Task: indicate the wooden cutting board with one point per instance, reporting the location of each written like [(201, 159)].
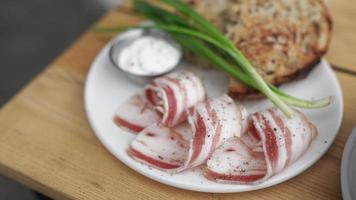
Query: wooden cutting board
[(47, 143)]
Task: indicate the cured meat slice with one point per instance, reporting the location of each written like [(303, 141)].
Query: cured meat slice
[(234, 161), (213, 122), (136, 114), (271, 143), (190, 144), (173, 94), (159, 146), (165, 101)]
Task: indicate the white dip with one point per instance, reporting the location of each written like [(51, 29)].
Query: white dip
[(149, 55)]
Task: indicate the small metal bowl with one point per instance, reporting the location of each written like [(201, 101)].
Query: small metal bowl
[(126, 39)]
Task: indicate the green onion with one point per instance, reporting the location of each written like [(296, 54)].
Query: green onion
[(199, 36), (158, 14), (198, 48), (240, 59)]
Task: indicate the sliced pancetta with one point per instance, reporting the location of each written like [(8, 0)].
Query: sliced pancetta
[(136, 114), (173, 94), (271, 143), (165, 101), (159, 146), (187, 145)]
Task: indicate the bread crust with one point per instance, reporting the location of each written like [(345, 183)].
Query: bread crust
[(283, 39)]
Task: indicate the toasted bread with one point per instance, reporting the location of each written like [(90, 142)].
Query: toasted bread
[(283, 39)]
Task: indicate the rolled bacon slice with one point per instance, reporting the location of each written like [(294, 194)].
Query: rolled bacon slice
[(136, 114), (165, 101), (271, 143), (190, 144), (159, 146), (173, 94)]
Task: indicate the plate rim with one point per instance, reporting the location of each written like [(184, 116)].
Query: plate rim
[(345, 165), (201, 188)]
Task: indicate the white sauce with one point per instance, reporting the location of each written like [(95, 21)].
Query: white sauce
[(149, 55)]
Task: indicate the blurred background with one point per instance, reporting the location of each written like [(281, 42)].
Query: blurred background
[(32, 34)]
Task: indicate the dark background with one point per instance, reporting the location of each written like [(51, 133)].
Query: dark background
[(32, 34)]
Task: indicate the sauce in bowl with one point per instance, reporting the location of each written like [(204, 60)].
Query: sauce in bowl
[(145, 55), (149, 55)]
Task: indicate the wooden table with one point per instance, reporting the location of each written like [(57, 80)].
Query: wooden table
[(47, 143)]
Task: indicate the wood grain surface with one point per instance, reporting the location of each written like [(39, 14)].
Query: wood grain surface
[(47, 143), (343, 43)]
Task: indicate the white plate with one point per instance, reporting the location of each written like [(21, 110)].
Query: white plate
[(348, 166), (106, 88)]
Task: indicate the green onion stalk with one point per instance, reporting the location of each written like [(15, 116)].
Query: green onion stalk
[(194, 35)]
